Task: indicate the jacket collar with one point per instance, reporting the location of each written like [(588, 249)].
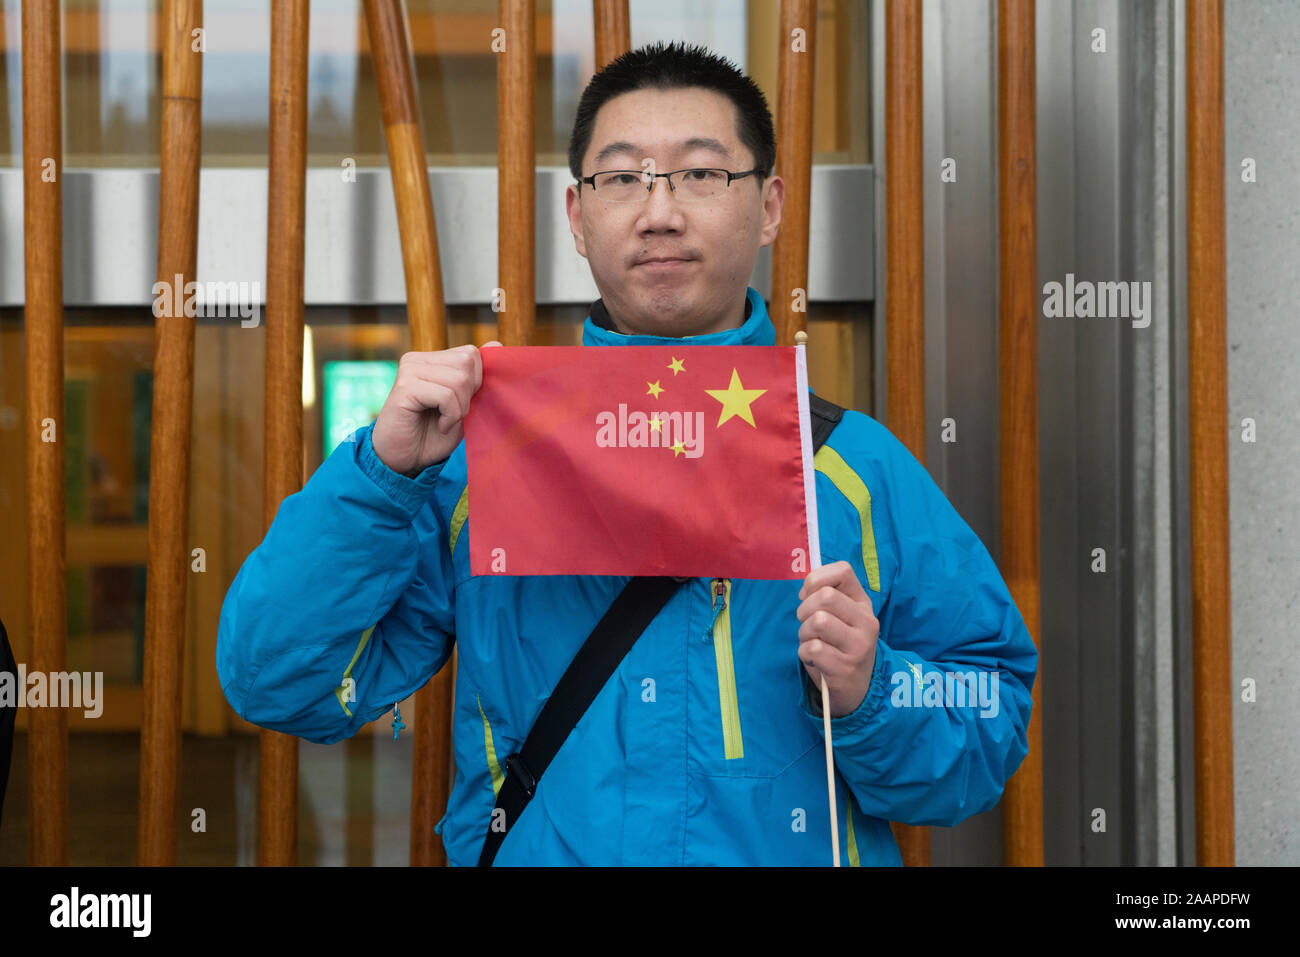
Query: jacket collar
[(756, 330)]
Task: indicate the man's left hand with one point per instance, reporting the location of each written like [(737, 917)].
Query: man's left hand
[(837, 637)]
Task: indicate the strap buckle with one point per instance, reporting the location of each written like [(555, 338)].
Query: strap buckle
[(519, 771)]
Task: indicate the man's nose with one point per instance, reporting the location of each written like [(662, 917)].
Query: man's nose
[(662, 208)]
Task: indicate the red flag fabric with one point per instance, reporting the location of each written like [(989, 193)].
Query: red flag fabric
[(640, 460)]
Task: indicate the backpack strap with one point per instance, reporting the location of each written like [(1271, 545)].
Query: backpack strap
[(825, 416), (636, 606)]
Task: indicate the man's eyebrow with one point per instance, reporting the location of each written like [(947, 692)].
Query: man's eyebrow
[(620, 147)]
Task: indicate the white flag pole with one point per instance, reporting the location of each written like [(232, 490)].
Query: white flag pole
[(815, 558)]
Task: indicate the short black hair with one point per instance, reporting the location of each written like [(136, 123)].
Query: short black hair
[(676, 66)]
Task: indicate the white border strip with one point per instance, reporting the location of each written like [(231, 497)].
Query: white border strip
[(805, 444)]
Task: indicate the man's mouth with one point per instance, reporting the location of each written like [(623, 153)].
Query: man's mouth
[(660, 263)]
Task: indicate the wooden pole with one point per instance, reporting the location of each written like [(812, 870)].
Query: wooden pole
[(47, 589), (613, 29), (1207, 360), (168, 566), (789, 298), (390, 47), (286, 188), (516, 173), (905, 277), (1018, 372)]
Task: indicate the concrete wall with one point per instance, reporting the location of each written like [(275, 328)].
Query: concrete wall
[(1262, 82)]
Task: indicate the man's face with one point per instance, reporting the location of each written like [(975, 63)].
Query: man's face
[(718, 238)]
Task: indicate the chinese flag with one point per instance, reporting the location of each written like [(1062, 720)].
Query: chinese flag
[(640, 460)]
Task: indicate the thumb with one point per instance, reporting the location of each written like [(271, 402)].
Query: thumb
[(492, 343)]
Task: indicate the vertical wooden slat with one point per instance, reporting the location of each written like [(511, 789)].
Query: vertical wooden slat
[(47, 728), (1018, 372), (905, 278), (168, 566), (1207, 361), (391, 49), (516, 173), (390, 46), (613, 28), (206, 709), (794, 166), (286, 185)]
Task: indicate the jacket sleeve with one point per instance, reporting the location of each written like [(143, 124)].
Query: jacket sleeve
[(346, 606), (923, 748)]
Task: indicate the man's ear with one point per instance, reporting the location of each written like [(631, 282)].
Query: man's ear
[(573, 207), (773, 200)]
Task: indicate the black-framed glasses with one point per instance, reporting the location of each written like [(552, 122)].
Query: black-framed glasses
[(634, 185)]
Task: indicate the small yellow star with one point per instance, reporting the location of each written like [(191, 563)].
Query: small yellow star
[(676, 365), (656, 423), (736, 399), (655, 388), (678, 449)]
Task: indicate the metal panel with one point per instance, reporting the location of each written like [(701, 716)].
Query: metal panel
[(1063, 733), (353, 253), (1140, 525), (1097, 186), (1168, 199), (1098, 416), (961, 304), (1080, 168), (1180, 441)]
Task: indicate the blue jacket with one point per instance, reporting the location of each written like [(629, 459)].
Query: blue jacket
[(705, 747)]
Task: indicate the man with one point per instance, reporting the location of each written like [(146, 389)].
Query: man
[(705, 746)]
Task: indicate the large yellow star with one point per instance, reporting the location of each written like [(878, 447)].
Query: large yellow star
[(656, 423), (735, 400), (676, 365), (678, 449), (655, 388)]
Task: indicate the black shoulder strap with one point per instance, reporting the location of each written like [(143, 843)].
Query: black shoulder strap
[(613, 637), (825, 416)]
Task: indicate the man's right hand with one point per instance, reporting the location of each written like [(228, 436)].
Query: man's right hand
[(420, 423)]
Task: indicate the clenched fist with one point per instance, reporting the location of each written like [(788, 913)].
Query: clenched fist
[(837, 635), (420, 423)]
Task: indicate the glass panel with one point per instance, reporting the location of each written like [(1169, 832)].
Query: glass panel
[(113, 76)]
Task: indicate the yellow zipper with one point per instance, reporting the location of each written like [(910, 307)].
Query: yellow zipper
[(733, 744)]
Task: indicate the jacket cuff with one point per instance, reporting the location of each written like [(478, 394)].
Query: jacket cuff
[(409, 493), (811, 699)]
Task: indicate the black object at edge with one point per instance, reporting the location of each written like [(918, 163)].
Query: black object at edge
[(8, 716)]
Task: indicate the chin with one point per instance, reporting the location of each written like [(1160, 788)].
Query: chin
[(669, 306), (664, 288)]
